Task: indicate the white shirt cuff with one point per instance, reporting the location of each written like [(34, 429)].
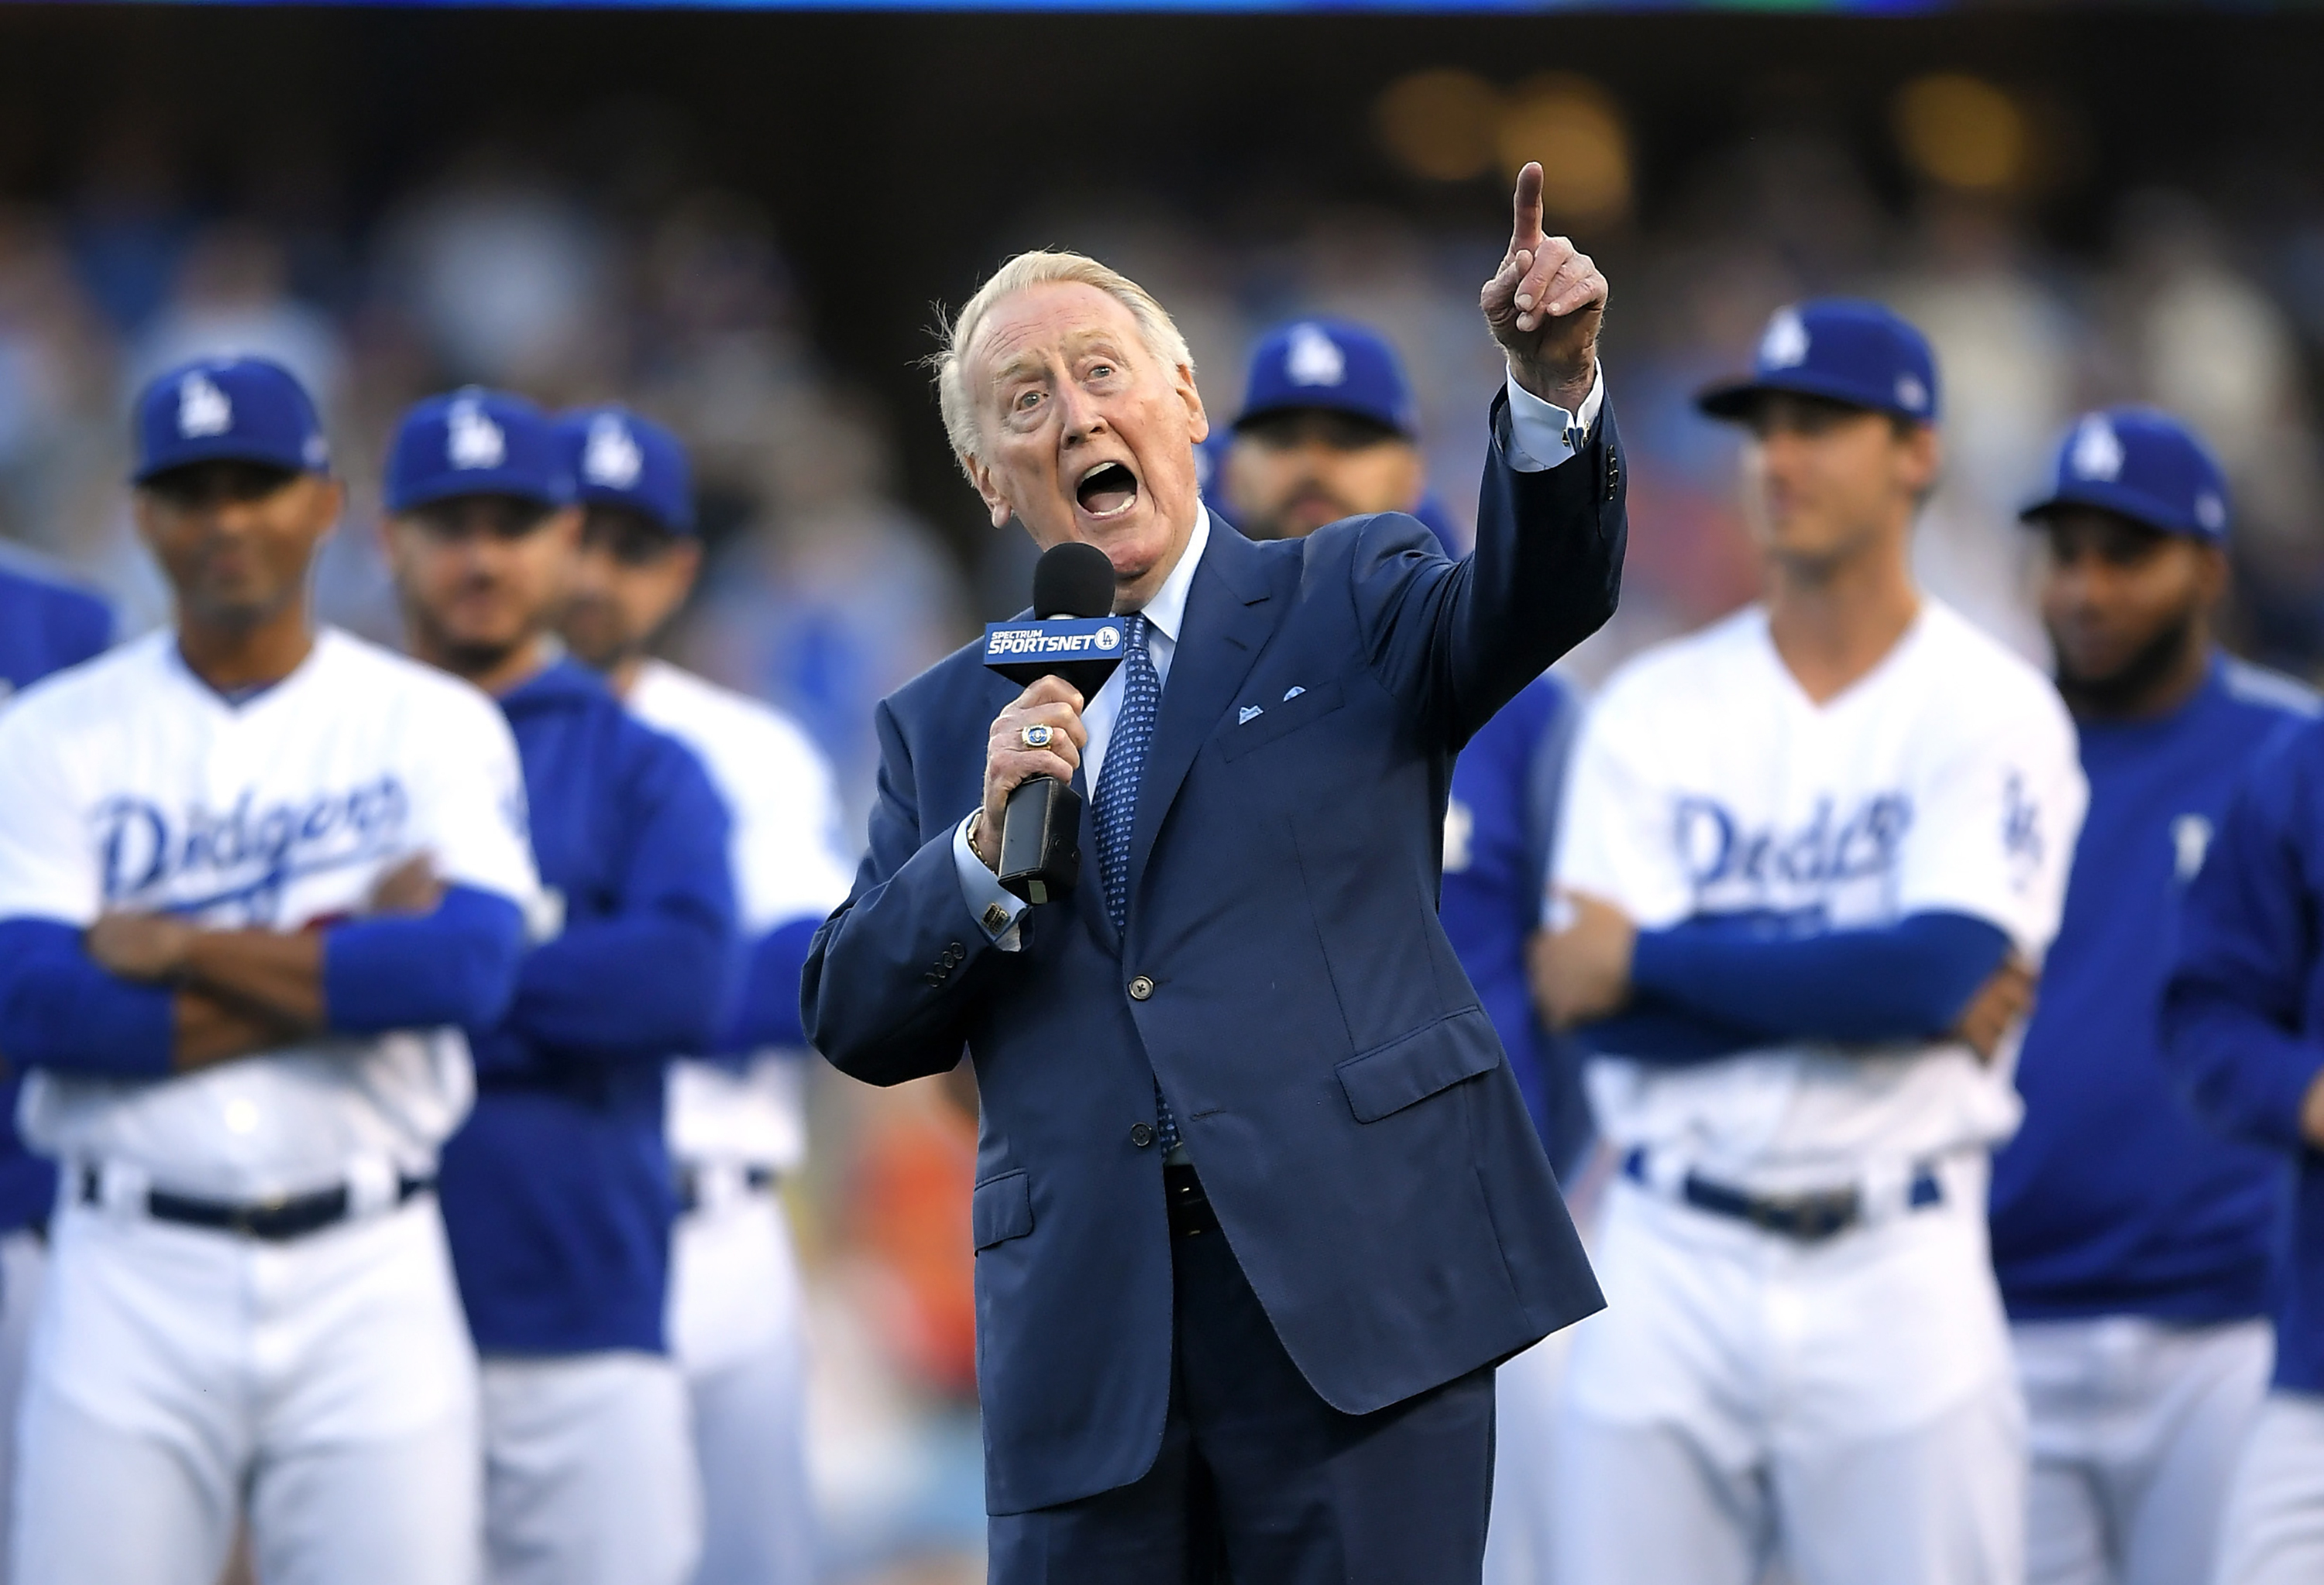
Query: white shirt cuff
[(1543, 434), (982, 891)]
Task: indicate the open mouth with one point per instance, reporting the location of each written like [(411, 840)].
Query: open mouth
[(1107, 490)]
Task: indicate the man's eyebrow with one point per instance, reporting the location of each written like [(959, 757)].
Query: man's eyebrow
[(1015, 366)]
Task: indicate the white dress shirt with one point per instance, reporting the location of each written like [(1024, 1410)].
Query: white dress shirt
[(1542, 435)]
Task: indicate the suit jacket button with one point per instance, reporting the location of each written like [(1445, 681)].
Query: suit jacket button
[(1140, 989), (1141, 1134)]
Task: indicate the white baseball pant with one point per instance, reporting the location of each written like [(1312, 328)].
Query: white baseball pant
[(1848, 1403), (180, 1376), (589, 1475), (23, 1270), (2272, 1533), (736, 1328), (2136, 1427)]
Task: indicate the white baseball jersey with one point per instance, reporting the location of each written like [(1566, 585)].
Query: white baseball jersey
[(1706, 782), (128, 783), (788, 863)]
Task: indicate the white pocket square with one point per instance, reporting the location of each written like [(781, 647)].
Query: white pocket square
[(1292, 692), (1247, 712)]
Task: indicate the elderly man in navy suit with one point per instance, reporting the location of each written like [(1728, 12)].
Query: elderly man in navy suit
[(1258, 1204)]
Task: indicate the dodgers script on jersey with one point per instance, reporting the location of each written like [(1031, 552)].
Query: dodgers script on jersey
[(129, 783), (1706, 783)]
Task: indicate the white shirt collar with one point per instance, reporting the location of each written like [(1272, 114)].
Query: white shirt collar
[(1166, 611)]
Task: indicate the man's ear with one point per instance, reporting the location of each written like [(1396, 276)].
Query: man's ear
[(2211, 573), (686, 558), (330, 506), (1199, 420), (1924, 460), (995, 503)]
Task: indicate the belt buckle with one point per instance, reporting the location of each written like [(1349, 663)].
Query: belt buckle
[(1819, 1217), (251, 1218)]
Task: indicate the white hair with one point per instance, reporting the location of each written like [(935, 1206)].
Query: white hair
[(1040, 267)]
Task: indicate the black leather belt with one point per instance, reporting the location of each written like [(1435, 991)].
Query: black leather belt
[(1191, 1215), (759, 1180), (277, 1221), (1810, 1217)]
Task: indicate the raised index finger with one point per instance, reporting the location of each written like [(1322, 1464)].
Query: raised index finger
[(1526, 233)]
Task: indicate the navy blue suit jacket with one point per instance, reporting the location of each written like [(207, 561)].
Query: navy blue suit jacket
[(1343, 1095)]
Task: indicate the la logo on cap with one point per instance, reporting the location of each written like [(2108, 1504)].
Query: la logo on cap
[(610, 458), (471, 438), (1314, 358), (2097, 449), (202, 408), (1785, 344)]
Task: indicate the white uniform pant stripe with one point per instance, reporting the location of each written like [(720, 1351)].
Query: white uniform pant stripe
[(2136, 1428), (2274, 1531), (589, 1475)]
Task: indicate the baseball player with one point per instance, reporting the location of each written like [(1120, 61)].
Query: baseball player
[(737, 1115), (557, 1193), (2243, 1028), (2132, 1245), (1809, 856), (46, 624), (252, 874)]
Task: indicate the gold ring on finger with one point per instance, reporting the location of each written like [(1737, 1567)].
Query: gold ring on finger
[(1038, 735)]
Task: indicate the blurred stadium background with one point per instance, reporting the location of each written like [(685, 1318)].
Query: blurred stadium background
[(740, 222)]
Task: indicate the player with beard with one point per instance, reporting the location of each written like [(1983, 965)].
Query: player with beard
[(2132, 1243), (558, 1196)]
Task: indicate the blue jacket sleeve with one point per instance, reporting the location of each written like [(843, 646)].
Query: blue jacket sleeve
[(59, 1009), (648, 977), (456, 965), (766, 1007), (870, 997), (1458, 640), (2236, 1014), (1901, 981)]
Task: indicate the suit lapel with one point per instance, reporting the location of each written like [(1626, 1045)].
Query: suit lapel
[(1230, 616)]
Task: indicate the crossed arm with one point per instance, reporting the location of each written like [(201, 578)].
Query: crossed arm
[(145, 995), (1709, 988)]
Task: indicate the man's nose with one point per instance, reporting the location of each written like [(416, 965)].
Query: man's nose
[(229, 516), (1079, 413)]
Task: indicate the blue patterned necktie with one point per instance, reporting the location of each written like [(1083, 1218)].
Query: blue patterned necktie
[(1117, 805)]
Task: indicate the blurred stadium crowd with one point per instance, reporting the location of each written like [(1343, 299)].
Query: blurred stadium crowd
[(829, 585)]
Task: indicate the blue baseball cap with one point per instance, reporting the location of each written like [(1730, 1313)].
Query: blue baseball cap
[(1330, 364), (1842, 349), (620, 459), (2145, 465), (228, 410), (476, 442)]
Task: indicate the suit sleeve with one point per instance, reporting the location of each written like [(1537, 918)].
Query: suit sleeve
[(2234, 1028), (1458, 640), (887, 989)]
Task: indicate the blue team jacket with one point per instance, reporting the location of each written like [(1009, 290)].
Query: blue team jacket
[(2114, 1198), (1283, 971), (2242, 1018), (1497, 831), (557, 1193), (45, 626)]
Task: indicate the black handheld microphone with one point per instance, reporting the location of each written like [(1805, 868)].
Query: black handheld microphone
[(1077, 638)]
